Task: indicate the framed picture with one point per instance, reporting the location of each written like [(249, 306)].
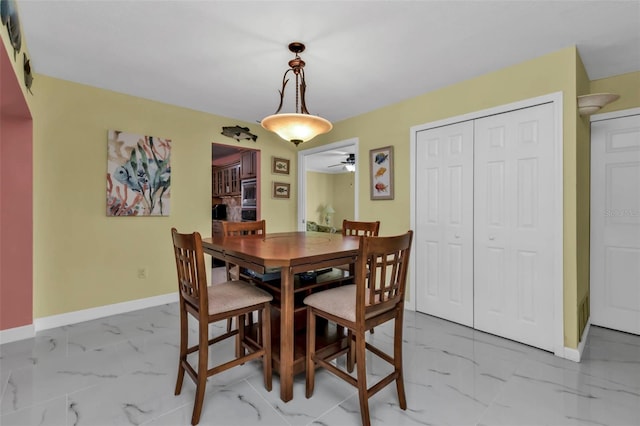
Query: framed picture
[(280, 166), (281, 190), (138, 174), (381, 161)]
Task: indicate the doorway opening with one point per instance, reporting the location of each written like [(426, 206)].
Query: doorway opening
[(233, 168), (328, 159)]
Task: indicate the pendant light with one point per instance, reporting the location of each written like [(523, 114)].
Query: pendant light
[(300, 126)]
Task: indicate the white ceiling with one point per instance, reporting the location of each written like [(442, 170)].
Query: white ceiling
[(330, 161), (228, 57)]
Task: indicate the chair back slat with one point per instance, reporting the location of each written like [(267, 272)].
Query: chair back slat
[(381, 272), (367, 229), (192, 278), (241, 229), (231, 229)]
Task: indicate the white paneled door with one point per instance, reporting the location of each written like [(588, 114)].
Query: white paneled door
[(615, 223), (514, 224), (444, 225)]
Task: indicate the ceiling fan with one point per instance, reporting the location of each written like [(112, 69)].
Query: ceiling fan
[(349, 163)]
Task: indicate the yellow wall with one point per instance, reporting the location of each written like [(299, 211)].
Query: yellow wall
[(343, 184), (319, 195), (583, 197), (335, 190), (84, 259), (390, 125), (554, 72)]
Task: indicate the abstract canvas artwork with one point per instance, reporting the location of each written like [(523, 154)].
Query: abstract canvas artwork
[(138, 175)]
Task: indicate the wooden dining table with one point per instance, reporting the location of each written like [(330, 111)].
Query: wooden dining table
[(293, 253)]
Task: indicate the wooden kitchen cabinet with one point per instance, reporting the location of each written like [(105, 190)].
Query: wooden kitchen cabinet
[(248, 165), (226, 180), (233, 179), (217, 188)]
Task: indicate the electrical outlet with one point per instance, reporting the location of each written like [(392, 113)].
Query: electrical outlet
[(142, 273)]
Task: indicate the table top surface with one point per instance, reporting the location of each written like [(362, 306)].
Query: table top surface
[(286, 248)]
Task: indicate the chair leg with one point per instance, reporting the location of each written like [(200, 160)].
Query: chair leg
[(240, 337), (362, 378), (250, 319), (265, 321), (203, 361), (397, 361), (184, 341), (351, 355), (311, 353)]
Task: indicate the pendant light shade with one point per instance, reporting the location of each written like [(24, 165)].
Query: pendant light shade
[(300, 126), (296, 128)]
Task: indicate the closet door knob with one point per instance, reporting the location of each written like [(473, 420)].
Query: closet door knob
[(457, 236), (491, 237)]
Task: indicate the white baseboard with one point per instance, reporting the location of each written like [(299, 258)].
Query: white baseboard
[(17, 333), (576, 354), (53, 321)]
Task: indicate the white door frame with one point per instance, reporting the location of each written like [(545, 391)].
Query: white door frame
[(558, 282), (614, 114), (302, 177)]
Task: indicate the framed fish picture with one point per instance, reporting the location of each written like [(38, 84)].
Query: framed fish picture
[(138, 175), (280, 166), (281, 190), (381, 160)]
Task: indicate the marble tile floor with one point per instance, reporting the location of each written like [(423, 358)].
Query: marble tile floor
[(121, 370)]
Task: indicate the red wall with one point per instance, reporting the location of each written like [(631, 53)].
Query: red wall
[(16, 205)]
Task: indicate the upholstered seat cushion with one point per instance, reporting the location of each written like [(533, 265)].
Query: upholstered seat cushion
[(339, 301), (231, 295)]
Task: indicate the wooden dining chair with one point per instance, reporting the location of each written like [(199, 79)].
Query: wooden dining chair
[(357, 228), (376, 297), (368, 229), (211, 304), (234, 229), (257, 227)]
